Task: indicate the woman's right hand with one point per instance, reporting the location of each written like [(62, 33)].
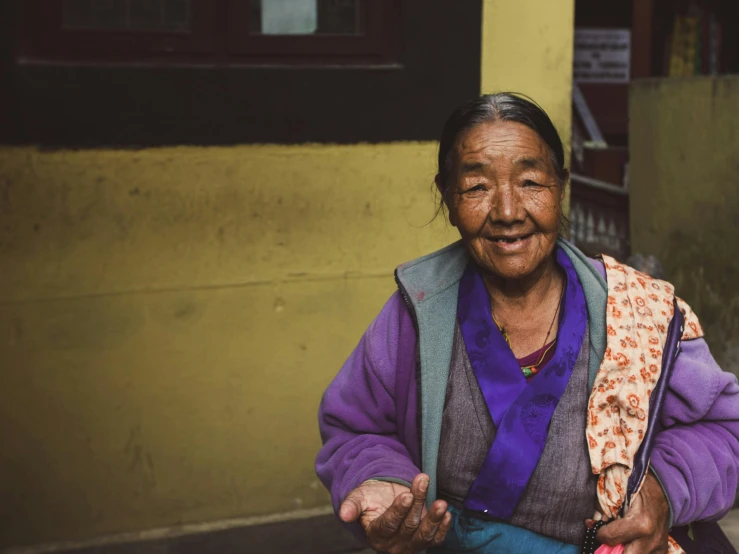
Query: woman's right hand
[(394, 517)]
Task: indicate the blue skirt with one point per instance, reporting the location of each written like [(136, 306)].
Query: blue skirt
[(472, 534)]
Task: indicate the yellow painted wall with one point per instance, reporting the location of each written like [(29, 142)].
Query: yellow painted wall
[(684, 197), (169, 317), (528, 47)]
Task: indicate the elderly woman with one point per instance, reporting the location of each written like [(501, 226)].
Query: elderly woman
[(499, 400)]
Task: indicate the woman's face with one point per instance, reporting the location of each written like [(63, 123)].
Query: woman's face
[(505, 198)]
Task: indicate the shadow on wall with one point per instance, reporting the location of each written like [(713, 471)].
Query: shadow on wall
[(684, 171)]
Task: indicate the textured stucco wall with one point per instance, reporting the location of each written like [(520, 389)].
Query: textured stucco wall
[(528, 48), (684, 197), (170, 317)]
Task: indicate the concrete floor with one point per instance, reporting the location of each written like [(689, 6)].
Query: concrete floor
[(730, 525), (320, 535)]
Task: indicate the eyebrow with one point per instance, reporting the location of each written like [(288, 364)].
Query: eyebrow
[(471, 167), (527, 161)]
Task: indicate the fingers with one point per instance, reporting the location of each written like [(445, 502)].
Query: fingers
[(350, 509), (623, 531), (418, 489), (406, 525), (443, 529), (432, 528), (644, 529), (385, 526)]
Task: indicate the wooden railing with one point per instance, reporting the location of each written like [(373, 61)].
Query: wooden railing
[(599, 217)]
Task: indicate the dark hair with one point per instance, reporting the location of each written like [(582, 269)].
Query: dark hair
[(503, 106)]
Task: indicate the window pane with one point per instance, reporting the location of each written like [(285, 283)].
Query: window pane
[(306, 17), (128, 15)]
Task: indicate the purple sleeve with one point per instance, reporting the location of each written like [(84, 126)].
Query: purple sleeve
[(696, 455), (367, 416)]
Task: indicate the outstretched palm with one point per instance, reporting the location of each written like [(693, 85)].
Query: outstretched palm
[(376, 497), (394, 517)]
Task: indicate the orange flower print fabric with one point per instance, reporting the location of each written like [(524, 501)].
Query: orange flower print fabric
[(638, 314)]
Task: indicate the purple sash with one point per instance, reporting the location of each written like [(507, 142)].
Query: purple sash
[(521, 410)]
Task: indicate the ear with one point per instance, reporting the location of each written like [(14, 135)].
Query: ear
[(565, 180), (439, 184), (450, 209)]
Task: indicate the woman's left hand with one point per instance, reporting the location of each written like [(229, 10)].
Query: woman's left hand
[(643, 530)]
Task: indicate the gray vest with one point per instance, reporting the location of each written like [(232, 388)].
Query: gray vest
[(562, 491)]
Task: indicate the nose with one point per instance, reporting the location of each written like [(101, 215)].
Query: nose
[(506, 208)]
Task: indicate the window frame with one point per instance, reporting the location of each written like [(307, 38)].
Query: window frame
[(42, 36), (377, 44), (61, 104), (219, 35)]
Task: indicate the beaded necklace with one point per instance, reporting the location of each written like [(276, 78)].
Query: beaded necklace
[(531, 370)]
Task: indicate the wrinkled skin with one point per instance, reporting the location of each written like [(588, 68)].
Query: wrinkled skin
[(504, 196), (394, 517), (504, 184), (643, 530)]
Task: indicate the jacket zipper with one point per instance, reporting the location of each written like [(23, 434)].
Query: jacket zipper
[(419, 400), (407, 300)]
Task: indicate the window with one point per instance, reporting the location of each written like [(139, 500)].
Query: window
[(124, 15), (221, 72), (211, 31)]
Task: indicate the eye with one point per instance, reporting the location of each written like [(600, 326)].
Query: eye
[(475, 188), (530, 183)]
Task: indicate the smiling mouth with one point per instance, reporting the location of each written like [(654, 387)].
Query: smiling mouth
[(510, 240)]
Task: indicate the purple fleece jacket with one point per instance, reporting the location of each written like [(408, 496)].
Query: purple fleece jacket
[(369, 421)]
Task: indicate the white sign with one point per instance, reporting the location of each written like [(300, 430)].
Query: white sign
[(602, 55), (289, 17)]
